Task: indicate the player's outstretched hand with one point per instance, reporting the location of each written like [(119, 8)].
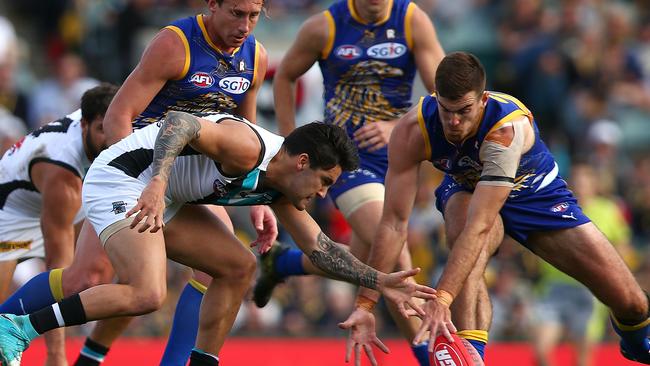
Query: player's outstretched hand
[(361, 324), (266, 227), (436, 321), (400, 289), (150, 207)]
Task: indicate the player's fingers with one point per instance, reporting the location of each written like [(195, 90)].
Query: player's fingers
[(445, 332), (137, 219), (424, 295), (451, 327), (348, 349), (426, 290), (158, 224), (371, 356), (357, 355), (409, 273), (145, 224), (411, 312), (380, 345), (135, 209), (416, 308), (419, 336)]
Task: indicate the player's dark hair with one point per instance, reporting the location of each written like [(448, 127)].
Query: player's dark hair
[(458, 74), (327, 146), (95, 101)]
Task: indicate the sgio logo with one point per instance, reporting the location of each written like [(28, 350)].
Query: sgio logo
[(234, 84), (387, 50), (348, 52), (202, 79)]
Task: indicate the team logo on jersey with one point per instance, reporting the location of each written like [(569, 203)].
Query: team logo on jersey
[(242, 66), (202, 79), (234, 84), (387, 50), (219, 188), (118, 207), (348, 52), (560, 207), (390, 33)]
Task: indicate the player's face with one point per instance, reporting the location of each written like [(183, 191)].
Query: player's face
[(460, 117), (234, 20), (94, 138), (309, 183)]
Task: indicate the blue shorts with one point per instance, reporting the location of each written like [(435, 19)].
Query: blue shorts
[(551, 208), (371, 170)]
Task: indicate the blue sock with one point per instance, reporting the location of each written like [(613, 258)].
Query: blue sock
[(185, 327), (635, 336), (421, 353), (289, 263), (34, 295), (479, 346)]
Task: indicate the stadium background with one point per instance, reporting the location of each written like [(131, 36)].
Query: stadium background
[(582, 66)]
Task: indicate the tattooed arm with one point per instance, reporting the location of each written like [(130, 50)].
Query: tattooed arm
[(177, 130), (211, 139), (340, 264)]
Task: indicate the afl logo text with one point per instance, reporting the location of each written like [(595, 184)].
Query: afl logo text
[(348, 52), (202, 79)]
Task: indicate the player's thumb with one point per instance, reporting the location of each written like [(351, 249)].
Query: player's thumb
[(345, 325)]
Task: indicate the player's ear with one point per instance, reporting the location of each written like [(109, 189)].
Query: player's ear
[(303, 161)]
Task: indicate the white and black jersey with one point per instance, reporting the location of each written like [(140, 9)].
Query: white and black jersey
[(59, 142), (117, 177)]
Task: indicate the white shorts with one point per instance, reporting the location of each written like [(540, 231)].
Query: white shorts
[(20, 238), (108, 194)]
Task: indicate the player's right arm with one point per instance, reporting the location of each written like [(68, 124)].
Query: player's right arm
[(303, 53), (163, 60), (60, 189)]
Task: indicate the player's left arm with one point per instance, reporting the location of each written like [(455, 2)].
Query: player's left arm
[(426, 47), (339, 263), (60, 189), (248, 107)]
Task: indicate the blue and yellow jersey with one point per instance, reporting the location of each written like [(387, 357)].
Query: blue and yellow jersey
[(368, 68), (537, 168), (211, 82)]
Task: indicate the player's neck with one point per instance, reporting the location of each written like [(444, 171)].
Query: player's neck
[(368, 15)]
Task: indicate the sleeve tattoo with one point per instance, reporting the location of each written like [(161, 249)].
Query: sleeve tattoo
[(177, 130), (339, 263)]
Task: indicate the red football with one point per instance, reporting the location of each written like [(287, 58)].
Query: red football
[(458, 353)]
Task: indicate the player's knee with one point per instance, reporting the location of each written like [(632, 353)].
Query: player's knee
[(150, 299), (244, 268)]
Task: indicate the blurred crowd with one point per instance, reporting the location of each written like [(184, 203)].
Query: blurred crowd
[(581, 66)]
